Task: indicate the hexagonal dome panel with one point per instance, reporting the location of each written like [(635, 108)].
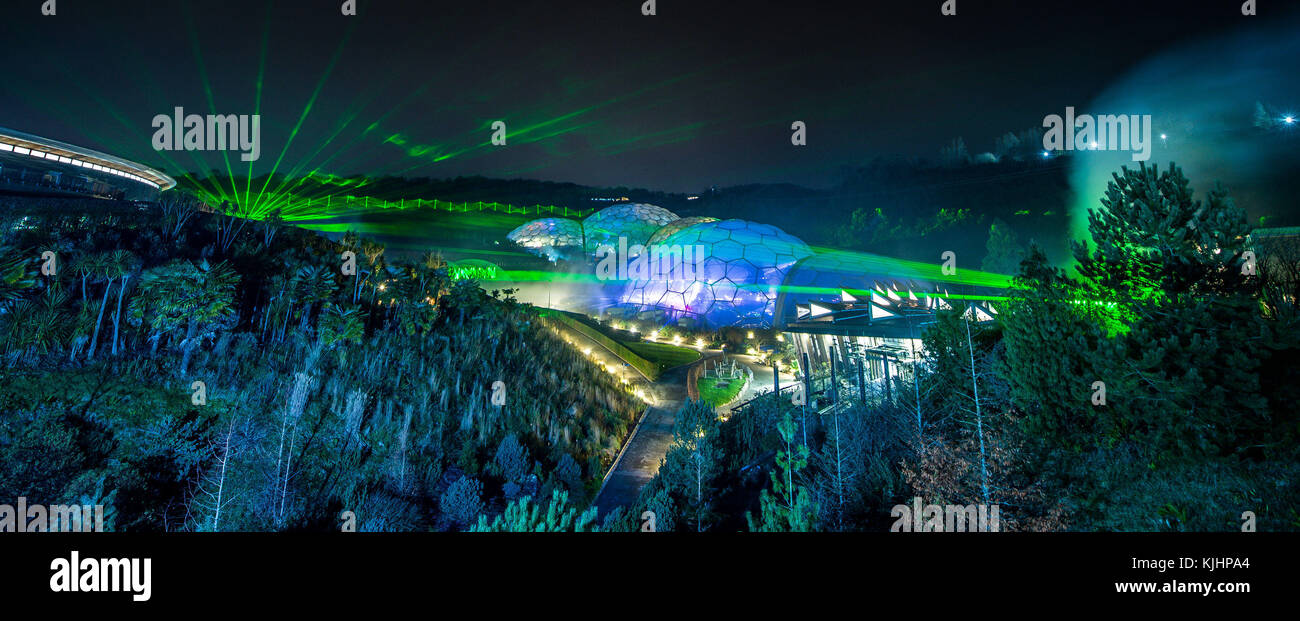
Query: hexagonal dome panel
[(676, 225), (635, 221), (735, 283), (552, 238)]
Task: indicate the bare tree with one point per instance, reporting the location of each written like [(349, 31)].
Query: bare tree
[(289, 430), (231, 219), (211, 496), (176, 213), (979, 417)]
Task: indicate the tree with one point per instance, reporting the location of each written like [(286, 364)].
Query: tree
[(524, 516), (185, 294), (110, 267), (211, 496), (314, 284), (374, 253), (230, 220), (955, 153), (270, 225), (125, 265), (1152, 240), (176, 213), (40, 324), (14, 276), (513, 459), (1170, 266), (787, 507), (339, 324), (568, 473), (463, 500), (1003, 251), (692, 461), (1054, 352)]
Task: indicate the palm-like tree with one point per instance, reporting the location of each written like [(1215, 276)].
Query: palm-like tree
[(125, 264), (15, 279), (110, 266), (374, 252), (88, 267), (41, 324), (340, 324), (182, 293), (315, 283)]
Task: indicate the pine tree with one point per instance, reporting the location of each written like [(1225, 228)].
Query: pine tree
[(1003, 251), (787, 507), (1052, 356), (525, 516), (692, 461), (1170, 267)]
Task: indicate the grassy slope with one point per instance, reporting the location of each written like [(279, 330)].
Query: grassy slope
[(665, 355)]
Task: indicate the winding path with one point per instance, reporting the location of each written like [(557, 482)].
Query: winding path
[(639, 460), (645, 450)]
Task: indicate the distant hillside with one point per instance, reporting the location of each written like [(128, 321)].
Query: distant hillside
[(902, 208)]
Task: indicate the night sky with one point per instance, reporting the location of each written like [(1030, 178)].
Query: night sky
[(701, 94)]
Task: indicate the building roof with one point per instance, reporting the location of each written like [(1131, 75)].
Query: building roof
[(34, 146)]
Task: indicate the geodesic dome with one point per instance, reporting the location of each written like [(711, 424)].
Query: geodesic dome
[(552, 238), (635, 221), (476, 269), (676, 225), (734, 284)]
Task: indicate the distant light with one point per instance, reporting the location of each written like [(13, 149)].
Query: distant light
[(1047, 154), (1164, 137), (1288, 119), (1094, 144)]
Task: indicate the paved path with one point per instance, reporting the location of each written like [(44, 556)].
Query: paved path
[(762, 377), (646, 450)]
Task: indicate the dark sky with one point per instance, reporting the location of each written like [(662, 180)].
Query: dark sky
[(701, 94)]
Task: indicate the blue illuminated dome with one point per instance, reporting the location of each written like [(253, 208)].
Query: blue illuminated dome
[(734, 283)]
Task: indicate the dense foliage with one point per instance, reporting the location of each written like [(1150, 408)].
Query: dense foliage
[(198, 371), (1154, 389)]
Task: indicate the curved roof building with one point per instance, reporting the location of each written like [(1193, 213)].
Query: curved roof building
[(33, 164), (853, 292)]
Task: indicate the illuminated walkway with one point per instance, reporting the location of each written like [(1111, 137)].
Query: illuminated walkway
[(645, 450)]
